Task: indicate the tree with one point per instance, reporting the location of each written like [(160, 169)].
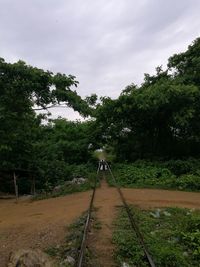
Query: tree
[(22, 88), (186, 65), (161, 118)]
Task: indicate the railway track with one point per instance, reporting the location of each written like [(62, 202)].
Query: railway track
[(133, 223), (80, 261)]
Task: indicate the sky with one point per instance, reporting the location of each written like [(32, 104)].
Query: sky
[(106, 44)]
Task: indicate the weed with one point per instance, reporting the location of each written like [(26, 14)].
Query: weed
[(171, 235)]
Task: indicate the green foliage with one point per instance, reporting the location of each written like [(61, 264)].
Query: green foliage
[(142, 175), (161, 118), (193, 240), (91, 100), (27, 144), (191, 235), (179, 167), (62, 151), (184, 64), (66, 187), (188, 181), (181, 175), (167, 234), (22, 88)]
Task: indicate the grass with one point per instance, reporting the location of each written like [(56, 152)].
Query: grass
[(172, 236)]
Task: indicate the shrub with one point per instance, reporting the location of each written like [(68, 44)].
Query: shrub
[(159, 174), (129, 175), (188, 181), (191, 234), (179, 167)]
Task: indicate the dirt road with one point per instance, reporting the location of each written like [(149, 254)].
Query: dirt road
[(42, 223), (106, 199), (150, 198), (39, 224)]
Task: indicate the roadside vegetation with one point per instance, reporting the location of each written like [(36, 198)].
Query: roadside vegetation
[(173, 174), (68, 187), (172, 236)]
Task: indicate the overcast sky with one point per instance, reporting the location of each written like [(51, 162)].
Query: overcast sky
[(106, 44)]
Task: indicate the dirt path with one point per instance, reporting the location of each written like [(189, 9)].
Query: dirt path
[(41, 224), (150, 198), (38, 224), (105, 201)]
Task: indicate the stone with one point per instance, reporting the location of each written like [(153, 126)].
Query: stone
[(166, 213), (156, 214), (124, 264), (29, 258), (80, 180), (69, 260)]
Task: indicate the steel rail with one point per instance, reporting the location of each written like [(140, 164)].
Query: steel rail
[(133, 221), (87, 223)]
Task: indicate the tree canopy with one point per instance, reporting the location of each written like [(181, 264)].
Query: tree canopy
[(159, 118), (23, 90)]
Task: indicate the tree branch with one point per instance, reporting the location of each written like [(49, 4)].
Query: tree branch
[(53, 106)]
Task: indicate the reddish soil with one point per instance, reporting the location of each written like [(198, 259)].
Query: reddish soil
[(41, 224), (105, 201), (37, 224), (150, 198)]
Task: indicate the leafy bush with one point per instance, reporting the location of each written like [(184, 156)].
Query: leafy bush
[(179, 167), (159, 174), (193, 240), (59, 172), (188, 181), (191, 234), (131, 175), (64, 188)]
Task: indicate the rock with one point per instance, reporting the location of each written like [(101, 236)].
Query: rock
[(156, 214), (166, 213), (80, 180), (29, 258), (76, 180), (57, 188), (124, 264), (69, 260)]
